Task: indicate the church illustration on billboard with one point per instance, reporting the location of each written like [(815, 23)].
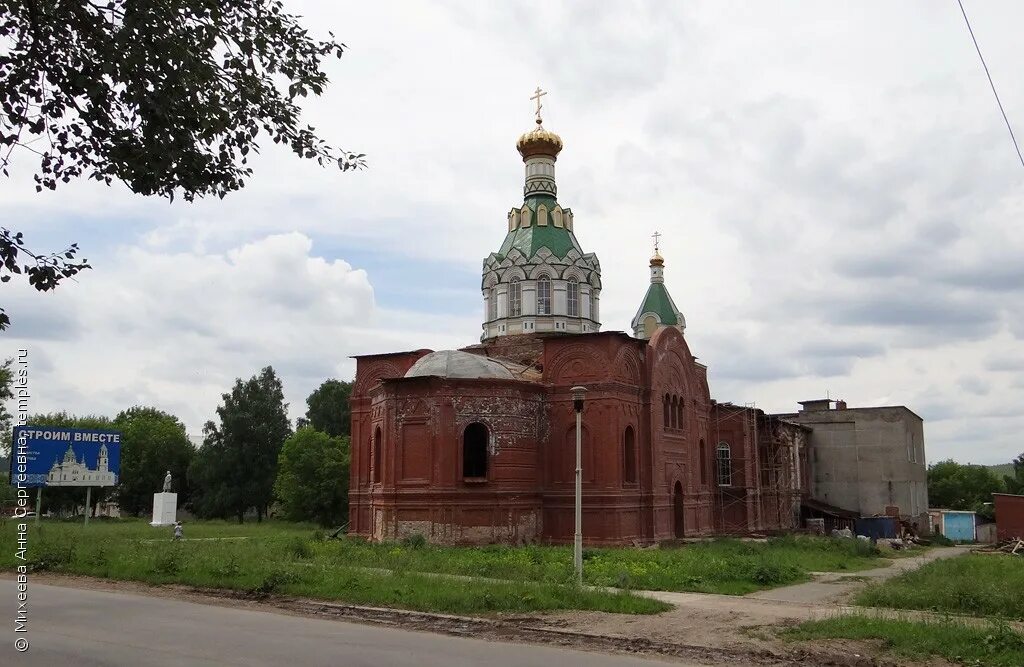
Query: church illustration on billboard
[(74, 472)]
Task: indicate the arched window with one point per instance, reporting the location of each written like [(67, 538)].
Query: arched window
[(474, 451), (376, 455), (675, 411), (703, 464), (515, 298), (629, 456), (666, 410), (680, 411), (544, 296), (724, 455), (572, 295), (494, 303)]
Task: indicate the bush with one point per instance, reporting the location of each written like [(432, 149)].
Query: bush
[(227, 570), (300, 548), (168, 561), (272, 582), (414, 541), (52, 555)]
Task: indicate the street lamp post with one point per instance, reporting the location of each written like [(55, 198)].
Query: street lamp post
[(577, 553)]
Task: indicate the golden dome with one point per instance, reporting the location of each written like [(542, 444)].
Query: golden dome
[(657, 259), (539, 141)]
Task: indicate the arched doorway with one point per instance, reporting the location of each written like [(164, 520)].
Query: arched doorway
[(677, 510)]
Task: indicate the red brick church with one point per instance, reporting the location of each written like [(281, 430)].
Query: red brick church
[(478, 445)]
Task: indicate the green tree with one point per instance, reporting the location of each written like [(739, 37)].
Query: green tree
[(328, 408), (957, 486), (312, 477), (235, 469), (1015, 483), (152, 442), (167, 97)]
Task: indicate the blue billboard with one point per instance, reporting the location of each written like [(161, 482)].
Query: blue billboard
[(58, 456)]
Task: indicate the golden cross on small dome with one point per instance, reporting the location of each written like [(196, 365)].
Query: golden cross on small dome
[(656, 236), (537, 94)]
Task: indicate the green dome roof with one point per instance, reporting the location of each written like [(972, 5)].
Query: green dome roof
[(657, 301), (529, 239)]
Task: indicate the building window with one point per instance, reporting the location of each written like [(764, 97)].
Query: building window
[(675, 411), (703, 464), (376, 455), (724, 465), (474, 451), (515, 298), (494, 303), (629, 456), (573, 298), (666, 410), (544, 296), (680, 404)]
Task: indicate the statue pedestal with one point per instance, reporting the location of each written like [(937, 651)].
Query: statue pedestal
[(165, 509)]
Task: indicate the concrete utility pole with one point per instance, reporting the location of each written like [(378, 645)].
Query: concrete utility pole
[(577, 554)]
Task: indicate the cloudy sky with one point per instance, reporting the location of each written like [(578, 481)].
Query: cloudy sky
[(839, 198)]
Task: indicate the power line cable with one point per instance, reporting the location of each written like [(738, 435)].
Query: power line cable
[(990, 82)]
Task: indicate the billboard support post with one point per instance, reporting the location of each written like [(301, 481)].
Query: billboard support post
[(88, 499), (39, 502)]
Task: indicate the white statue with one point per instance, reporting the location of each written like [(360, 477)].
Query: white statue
[(167, 482)]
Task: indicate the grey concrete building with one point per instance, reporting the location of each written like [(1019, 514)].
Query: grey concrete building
[(866, 459)]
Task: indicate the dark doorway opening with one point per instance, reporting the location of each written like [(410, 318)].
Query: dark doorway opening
[(474, 451)]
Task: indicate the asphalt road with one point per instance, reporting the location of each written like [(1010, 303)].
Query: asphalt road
[(70, 627)]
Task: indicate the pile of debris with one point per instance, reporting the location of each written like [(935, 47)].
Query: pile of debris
[(1014, 547)]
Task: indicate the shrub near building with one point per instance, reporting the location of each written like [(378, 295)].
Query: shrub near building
[(312, 477)]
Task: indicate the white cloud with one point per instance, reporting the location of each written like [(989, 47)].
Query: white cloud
[(174, 329)]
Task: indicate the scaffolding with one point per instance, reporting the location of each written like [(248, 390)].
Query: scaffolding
[(768, 460)]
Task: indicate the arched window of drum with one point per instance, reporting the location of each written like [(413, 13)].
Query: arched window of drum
[(703, 464), (666, 411), (544, 296), (573, 297), (629, 456), (724, 456), (494, 303), (474, 451), (515, 298), (376, 455)]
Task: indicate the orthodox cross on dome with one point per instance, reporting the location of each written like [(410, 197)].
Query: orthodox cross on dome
[(537, 94), (656, 236)]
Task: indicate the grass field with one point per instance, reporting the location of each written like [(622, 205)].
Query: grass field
[(977, 585), (275, 557), (993, 645), (269, 558), (732, 567)]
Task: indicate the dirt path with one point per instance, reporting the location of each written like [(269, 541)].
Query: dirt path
[(731, 622), (831, 587)]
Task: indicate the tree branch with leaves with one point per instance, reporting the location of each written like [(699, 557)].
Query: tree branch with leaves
[(171, 97)]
